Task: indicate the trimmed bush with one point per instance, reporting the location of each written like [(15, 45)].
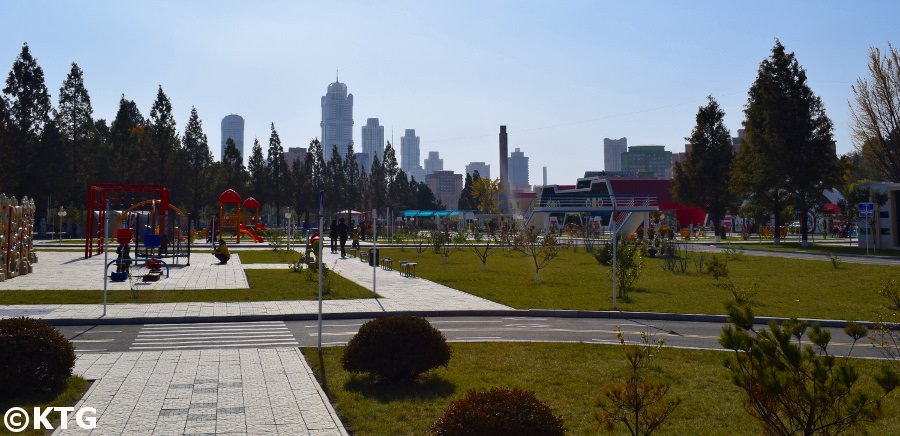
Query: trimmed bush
[(34, 357), (498, 411), (396, 348)]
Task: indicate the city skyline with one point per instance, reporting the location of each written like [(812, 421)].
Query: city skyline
[(561, 87)]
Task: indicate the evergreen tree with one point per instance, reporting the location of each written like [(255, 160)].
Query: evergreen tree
[(164, 136), (277, 170), (6, 176), (789, 142), (124, 137), (351, 169), (198, 159), (335, 189), (258, 174), (377, 185), (75, 121), (465, 197), (703, 179), (28, 105), (425, 199), (233, 166)]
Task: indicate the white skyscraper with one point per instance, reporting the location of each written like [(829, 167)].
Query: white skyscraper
[(433, 163), (233, 127), (409, 155), (612, 153), (518, 171), (373, 139), (337, 119), (484, 170)]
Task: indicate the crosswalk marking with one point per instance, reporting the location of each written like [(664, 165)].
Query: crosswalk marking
[(213, 335)]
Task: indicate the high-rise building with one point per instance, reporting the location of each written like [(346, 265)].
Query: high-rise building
[(648, 161), (446, 186), (738, 140), (294, 154), (612, 153), (484, 170), (233, 127), (433, 162), (337, 119), (363, 162), (518, 172), (373, 140), (676, 158), (409, 155)]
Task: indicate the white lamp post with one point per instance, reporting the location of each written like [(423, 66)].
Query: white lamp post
[(287, 216), (62, 214)]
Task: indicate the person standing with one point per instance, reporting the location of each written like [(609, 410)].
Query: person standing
[(332, 235), (342, 234)]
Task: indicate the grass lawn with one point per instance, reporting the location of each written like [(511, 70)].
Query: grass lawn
[(574, 280), (568, 377), (74, 390), (267, 256), (265, 285), (814, 248)]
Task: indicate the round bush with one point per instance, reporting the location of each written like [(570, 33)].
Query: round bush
[(34, 357), (396, 348), (498, 411)]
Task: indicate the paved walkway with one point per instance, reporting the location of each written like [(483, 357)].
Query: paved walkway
[(246, 391)]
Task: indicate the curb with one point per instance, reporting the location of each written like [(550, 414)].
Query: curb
[(530, 313)]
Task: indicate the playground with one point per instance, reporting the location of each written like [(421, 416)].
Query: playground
[(17, 256)]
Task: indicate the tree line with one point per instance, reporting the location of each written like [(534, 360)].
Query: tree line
[(53, 153), (788, 158)]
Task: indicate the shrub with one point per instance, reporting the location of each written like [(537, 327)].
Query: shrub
[(396, 348), (34, 357), (498, 411), (717, 268)]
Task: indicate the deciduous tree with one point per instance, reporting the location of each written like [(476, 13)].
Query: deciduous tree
[(876, 116)]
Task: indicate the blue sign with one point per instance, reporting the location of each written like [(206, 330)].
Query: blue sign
[(866, 210)]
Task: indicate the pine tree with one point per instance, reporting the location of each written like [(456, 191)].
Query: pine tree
[(198, 159), (351, 170), (235, 173), (276, 169), (125, 148), (335, 189), (28, 105), (164, 136), (702, 180), (258, 174), (378, 184), (465, 197), (75, 121)]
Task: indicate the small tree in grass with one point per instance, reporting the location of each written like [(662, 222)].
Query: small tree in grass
[(629, 264), (541, 247), (792, 388), (484, 246), (639, 403)]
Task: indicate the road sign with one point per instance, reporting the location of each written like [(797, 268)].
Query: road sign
[(866, 210)]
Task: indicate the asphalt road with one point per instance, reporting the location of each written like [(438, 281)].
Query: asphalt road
[(152, 337)]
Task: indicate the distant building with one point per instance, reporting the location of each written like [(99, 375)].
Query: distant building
[(294, 154), (676, 158), (409, 155), (233, 127), (737, 141), (363, 161), (518, 171), (373, 140), (337, 120), (612, 153), (484, 170), (648, 161), (433, 163), (446, 186)]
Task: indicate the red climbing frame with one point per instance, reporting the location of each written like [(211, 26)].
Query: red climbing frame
[(97, 196)]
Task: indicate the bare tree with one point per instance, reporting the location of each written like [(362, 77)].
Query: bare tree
[(485, 244), (876, 115), (542, 247)]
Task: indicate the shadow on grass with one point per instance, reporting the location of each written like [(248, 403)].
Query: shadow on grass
[(427, 387)]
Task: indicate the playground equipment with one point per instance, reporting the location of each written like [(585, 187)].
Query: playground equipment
[(16, 246), (230, 212), (123, 261)]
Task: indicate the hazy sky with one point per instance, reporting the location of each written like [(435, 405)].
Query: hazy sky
[(562, 75)]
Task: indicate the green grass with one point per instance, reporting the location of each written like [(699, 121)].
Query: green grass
[(568, 377), (787, 287), (74, 390), (267, 256), (265, 285), (814, 248)]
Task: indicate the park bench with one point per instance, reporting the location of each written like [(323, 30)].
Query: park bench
[(364, 256), (407, 269), (387, 264)]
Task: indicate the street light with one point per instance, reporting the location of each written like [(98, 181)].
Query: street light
[(62, 214), (287, 216)]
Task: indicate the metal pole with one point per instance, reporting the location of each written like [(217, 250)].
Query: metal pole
[(321, 227), (105, 253), (374, 250), (612, 222)]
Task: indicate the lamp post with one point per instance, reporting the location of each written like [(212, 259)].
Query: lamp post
[(62, 214), (287, 216)]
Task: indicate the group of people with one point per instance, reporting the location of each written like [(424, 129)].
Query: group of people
[(340, 231)]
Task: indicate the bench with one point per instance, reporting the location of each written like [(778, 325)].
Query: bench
[(407, 269), (387, 264), (352, 252), (364, 256)]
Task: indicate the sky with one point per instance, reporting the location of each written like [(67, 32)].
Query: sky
[(561, 75)]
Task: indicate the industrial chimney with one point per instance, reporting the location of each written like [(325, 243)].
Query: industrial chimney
[(504, 174)]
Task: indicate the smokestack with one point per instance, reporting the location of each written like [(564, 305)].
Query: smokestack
[(504, 175), (545, 176)]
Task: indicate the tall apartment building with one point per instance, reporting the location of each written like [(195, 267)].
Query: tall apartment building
[(373, 140), (484, 170), (233, 127), (518, 171), (409, 155), (294, 154), (433, 163), (738, 140), (648, 161), (446, 186), (612, 153), (337, 119)]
